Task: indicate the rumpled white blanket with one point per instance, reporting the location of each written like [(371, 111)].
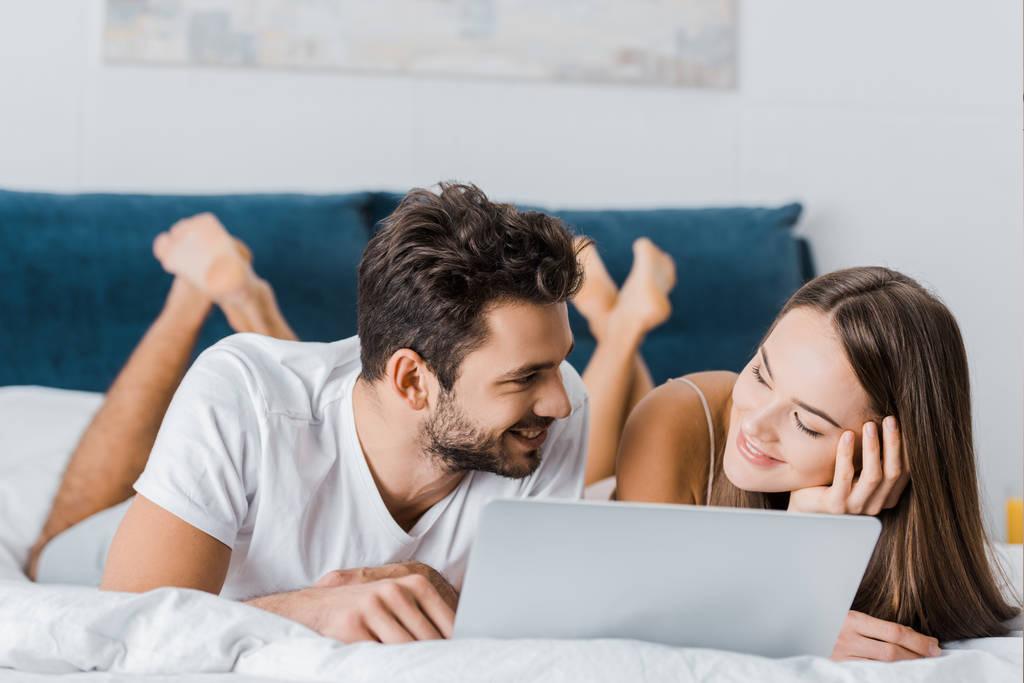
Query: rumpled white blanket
[(62, 629), (173, 631)]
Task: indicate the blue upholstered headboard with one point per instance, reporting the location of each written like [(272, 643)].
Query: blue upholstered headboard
[(81, 284)]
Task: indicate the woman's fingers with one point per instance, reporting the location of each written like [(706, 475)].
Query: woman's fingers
[(879, 651), (891, 633), (839, 492), (899, 468), (854, 641), (894, 470), (890, 471), (870, 474)]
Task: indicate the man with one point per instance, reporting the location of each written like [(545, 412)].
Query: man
[(279, 463)]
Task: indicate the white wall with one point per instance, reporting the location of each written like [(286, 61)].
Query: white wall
[(898, 124)]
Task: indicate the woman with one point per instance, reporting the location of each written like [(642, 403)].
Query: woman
[(856, 402)]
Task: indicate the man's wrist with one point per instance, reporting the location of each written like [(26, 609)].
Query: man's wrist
[(297, 605)]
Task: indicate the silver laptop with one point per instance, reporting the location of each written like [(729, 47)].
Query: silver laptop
[(775, 584)]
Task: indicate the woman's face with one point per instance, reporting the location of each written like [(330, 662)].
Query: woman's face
[(790, 405)]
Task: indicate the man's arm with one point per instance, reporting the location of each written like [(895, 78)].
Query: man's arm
[(394, 604), (153, 548)]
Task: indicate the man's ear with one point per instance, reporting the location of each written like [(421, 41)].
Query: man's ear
[(408, 378)]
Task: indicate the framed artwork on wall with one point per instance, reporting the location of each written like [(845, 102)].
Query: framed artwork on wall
[(667, 43)]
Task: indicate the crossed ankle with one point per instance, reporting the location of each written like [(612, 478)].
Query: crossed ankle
[(622, 322), (598, 325), (620, 327), (255, 310)]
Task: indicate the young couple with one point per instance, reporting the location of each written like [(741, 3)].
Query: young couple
[(340, 484)]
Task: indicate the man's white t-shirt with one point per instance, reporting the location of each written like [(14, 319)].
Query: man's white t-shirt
[(259, 450)]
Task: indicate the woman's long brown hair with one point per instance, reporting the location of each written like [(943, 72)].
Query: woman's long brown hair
[(930, 569)]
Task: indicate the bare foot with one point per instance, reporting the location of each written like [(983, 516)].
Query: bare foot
[(598, 295), (644, 295), (202, 252)]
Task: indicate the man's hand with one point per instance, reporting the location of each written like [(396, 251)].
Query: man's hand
[(865, 637), (883, 476), (390, 604), (351, 577)]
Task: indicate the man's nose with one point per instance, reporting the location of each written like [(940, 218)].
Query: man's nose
[(554, 399)]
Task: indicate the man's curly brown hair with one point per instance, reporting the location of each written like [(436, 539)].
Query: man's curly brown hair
[(429, 275)]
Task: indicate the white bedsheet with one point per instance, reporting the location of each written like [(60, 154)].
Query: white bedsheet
[(172, 632)]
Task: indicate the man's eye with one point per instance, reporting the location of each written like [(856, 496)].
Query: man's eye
[(526, 379)]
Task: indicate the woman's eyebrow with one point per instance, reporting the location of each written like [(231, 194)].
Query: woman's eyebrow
[(820, 413)]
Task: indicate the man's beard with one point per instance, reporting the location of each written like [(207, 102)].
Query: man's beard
[(452, 439)]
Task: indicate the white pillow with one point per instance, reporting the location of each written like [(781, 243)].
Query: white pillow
[(40, 429)]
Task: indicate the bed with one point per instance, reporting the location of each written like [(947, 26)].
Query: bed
[(83, 634)]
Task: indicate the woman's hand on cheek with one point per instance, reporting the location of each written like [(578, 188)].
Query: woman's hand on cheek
[(865, 637), (884, 475)]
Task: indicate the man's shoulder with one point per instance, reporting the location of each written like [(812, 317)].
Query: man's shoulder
[(261, 350), (291, 377)]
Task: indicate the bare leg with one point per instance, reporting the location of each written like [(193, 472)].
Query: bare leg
[(598, 295), (114, 447), (210, 266), (203, 252), (642, 385), (595, 302), (616, 377)]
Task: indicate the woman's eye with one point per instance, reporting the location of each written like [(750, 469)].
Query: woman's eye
[(803, 428), (757, 374)]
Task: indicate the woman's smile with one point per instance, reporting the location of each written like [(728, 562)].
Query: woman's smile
[(752, 453)]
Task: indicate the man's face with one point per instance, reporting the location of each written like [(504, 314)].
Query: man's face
[(508, 392)]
